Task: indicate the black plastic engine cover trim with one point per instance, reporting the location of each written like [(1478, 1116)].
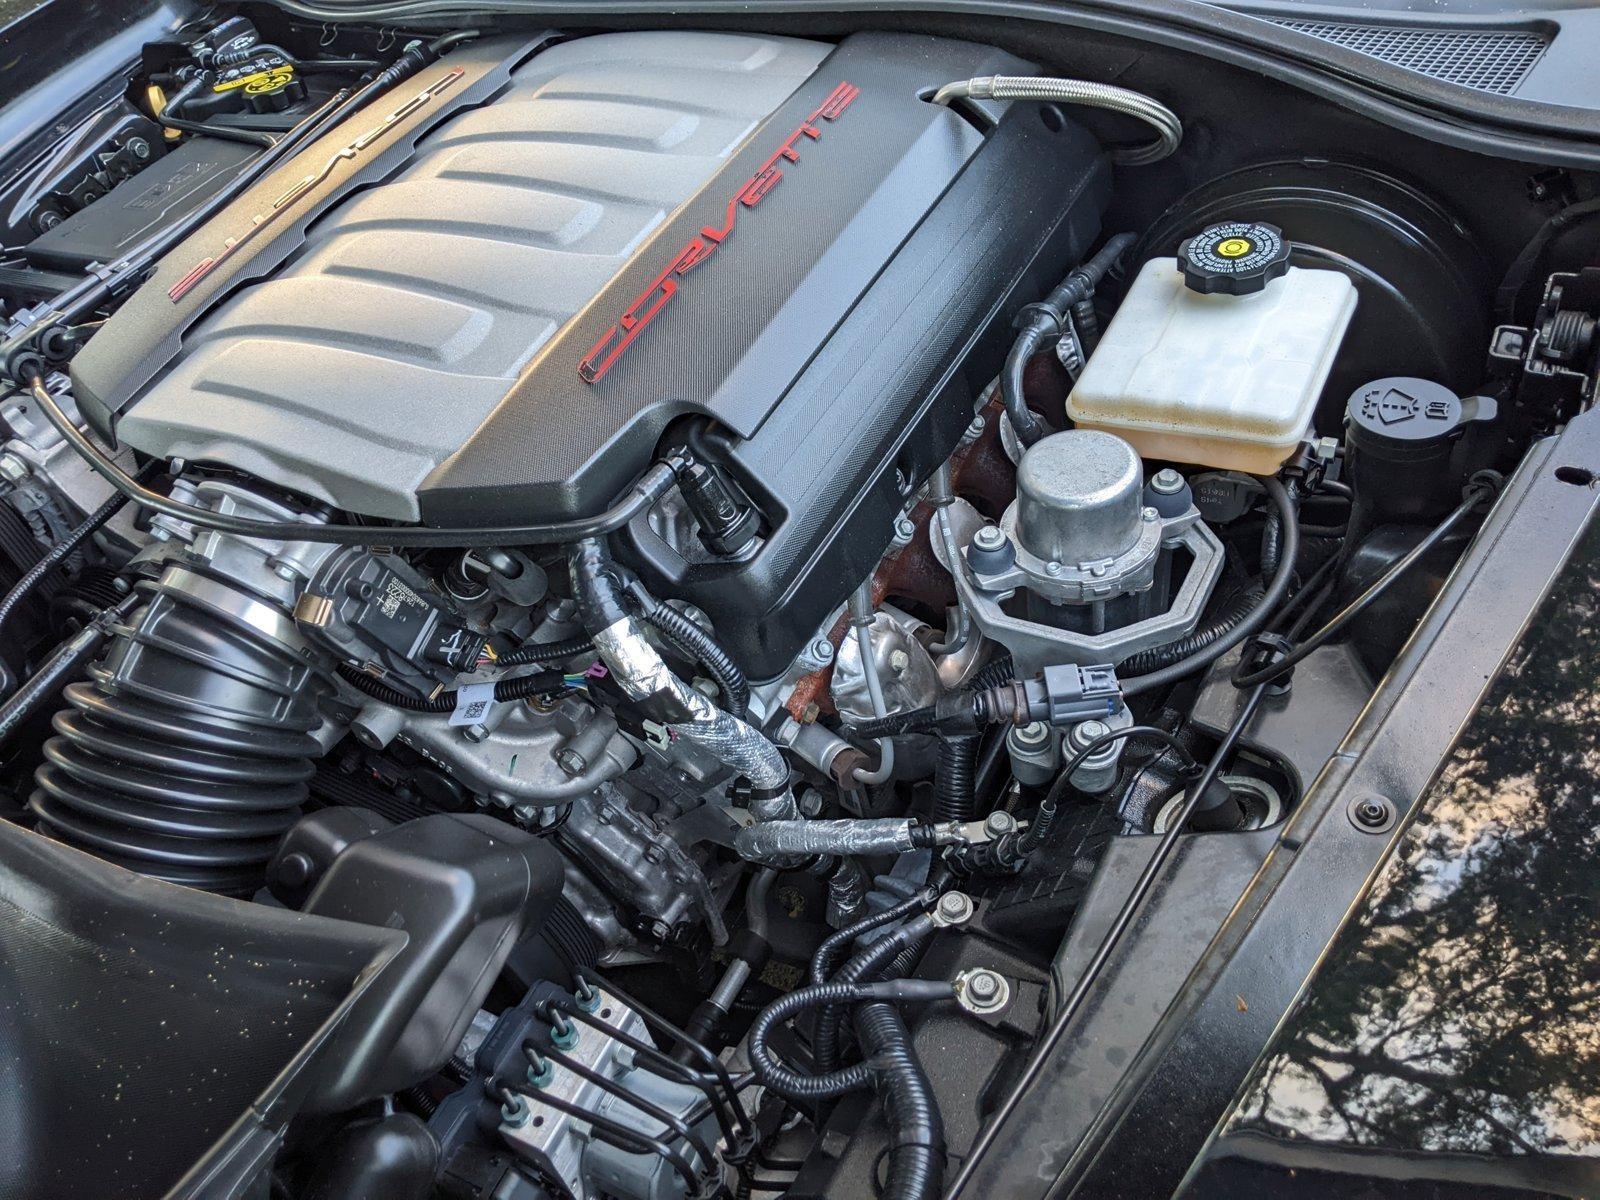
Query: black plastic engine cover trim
[(885, 400)]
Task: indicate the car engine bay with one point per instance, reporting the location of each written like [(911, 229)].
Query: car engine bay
[(719, 535)]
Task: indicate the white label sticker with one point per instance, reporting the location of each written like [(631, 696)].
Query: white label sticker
[(474, 703)]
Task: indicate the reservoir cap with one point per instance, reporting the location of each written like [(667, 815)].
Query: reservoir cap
[(1234, 258)]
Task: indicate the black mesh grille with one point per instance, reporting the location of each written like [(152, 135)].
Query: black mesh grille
[(1490, 60)]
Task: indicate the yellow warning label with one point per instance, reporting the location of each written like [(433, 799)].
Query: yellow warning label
[(259, 83), (1235, 247)]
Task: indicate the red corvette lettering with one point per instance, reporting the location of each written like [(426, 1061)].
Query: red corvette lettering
[(603, 355)]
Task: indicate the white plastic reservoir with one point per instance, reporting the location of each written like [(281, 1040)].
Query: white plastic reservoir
[(1218, 380)]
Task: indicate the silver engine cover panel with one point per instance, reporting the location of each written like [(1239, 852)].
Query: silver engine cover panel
[(508, 220)]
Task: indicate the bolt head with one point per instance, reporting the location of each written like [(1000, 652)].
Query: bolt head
[(1085, 732), (983, 985), (1052, 567), (990, 537), (13, 468), (1035, 733), (1166, 482), (822, 650), (899, 660), (955, 906), (997, 823), (904, 529), (1150, 516)]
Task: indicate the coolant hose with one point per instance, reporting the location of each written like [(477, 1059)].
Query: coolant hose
[(1288, 513), (772, 841), (1272, 533), (1040, 324), (1030, 340)]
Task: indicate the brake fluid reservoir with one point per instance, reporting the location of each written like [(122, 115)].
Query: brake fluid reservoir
[(1217, 357)]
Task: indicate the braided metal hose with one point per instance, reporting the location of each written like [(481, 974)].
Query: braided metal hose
[(1169, 130)]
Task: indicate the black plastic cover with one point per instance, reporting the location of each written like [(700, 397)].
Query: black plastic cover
[(465, 889), (883, 399), (160, 195), (144, 1021)]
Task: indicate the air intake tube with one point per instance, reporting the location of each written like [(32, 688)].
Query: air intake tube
[(187, 752)]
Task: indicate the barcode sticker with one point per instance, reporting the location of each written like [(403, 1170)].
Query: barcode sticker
[(474, 703)]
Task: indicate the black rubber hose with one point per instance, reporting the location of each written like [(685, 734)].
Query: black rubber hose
[(1272, 532), (1157, 657), (865, 965), (703, 648), (58, 554), (792, 1085), (955, 796), (1277, 588), (187, 751), (1087, 322), (1081, 281), (916, 1130), (520, 688), (545, 652), (1030, 340)]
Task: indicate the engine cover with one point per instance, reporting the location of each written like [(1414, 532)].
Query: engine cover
[(498, 286)]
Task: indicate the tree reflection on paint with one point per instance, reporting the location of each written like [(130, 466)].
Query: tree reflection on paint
[(1461, 1012)]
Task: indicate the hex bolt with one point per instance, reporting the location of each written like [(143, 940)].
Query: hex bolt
[(1150, 515), (990, 537), (1085, 732), (822, 651), (1166, 482), (1035, 733), (998, 824), (1052, 567), (984, 986), (904, 530), (975, 427), (899, 660), (955, 907)]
